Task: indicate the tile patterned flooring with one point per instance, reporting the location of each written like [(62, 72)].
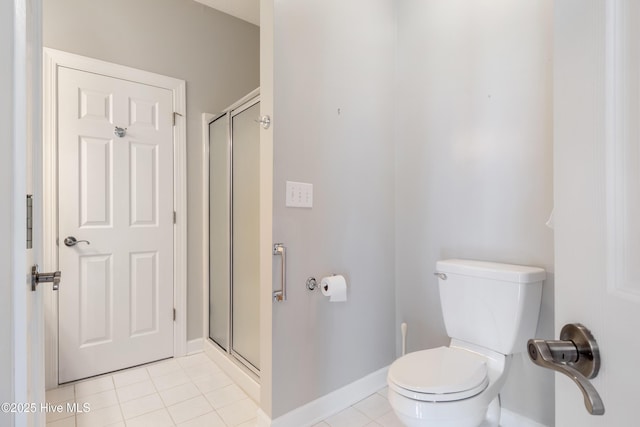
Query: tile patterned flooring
[(190, 391), (374, 411)]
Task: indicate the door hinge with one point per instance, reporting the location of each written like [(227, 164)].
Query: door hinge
[(175, 113), (174, 216), (174, 314), (29, 221)]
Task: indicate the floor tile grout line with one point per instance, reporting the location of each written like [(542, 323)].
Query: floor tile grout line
[(119, 406), (366, 417), (75, 399)]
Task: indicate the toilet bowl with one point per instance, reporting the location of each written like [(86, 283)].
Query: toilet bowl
[(489, 310), (464, 380)]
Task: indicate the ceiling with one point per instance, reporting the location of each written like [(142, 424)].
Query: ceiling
[(247, 10)]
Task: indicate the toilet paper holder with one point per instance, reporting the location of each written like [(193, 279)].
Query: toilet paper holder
[(313, 284)]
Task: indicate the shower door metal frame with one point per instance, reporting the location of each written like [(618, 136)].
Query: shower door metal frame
[(229, 196), (245, 103)]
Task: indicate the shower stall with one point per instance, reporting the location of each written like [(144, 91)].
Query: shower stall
[(234, 157)]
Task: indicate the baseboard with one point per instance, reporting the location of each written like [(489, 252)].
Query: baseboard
[(245, 380), (329, 404), (263, 419), (334, 402), (194, 346), (511, 419)]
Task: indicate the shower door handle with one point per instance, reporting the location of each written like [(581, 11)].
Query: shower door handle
[(575, 355), (281, 294)]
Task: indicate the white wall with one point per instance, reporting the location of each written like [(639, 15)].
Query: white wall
[(474, 160), (216, 54), (333, 55)]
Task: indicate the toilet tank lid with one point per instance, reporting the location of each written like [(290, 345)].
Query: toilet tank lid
[(492, 270)]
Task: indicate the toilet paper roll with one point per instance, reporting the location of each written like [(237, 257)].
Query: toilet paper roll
[(334, 287)]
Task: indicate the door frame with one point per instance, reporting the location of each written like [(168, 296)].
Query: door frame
[(21, 359), (53, 59)]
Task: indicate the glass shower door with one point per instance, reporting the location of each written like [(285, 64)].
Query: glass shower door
[(234, 165), (246, 228)]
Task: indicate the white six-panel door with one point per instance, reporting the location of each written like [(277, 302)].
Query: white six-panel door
[(116, 300), (597, 198)]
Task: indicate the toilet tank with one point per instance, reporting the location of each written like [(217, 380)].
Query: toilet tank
[(489, 304)]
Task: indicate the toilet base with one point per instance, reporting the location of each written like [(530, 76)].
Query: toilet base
[(466, 413), (461, 422)]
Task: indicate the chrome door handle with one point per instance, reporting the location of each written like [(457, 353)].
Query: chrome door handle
[(281, 295), (72, 241), (575, 355), (37, 278)]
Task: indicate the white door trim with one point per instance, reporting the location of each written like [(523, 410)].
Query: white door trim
[(52, 60), (206, 118), (20, 142)]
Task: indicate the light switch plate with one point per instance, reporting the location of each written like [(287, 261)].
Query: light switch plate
[(299, 195)]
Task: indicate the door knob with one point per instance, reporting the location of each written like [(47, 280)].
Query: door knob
[(72, 241), (575, 355), (37, 278), (264, 121)]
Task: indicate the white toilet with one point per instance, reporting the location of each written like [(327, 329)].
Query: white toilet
[(490, 311)]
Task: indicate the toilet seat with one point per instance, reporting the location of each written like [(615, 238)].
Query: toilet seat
[(442, 374)]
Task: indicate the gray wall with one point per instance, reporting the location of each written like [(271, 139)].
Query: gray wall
[(332, 55), (216, 54), (474, 160)]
